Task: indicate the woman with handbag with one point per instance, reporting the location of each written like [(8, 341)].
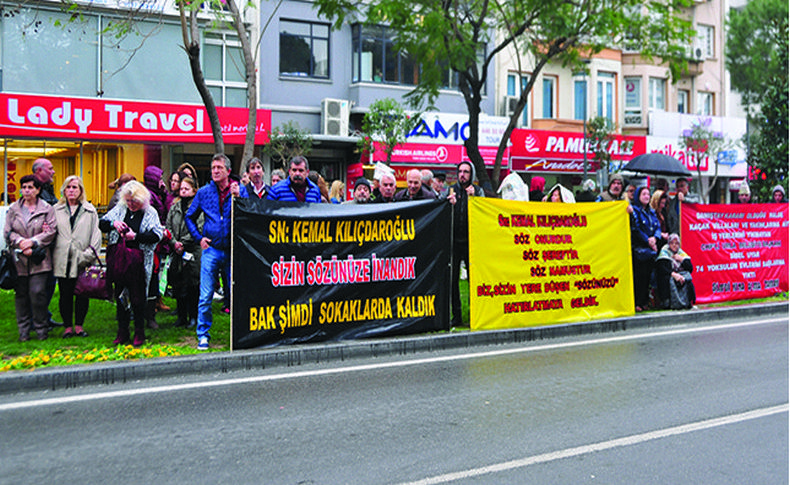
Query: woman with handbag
[(184, 272), (76, 247), (645, 234), (134, 231), (30, 229)]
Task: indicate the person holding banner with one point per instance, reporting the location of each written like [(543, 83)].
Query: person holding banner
[(213, 201), (779, 195), (645, 234), (387, 188), (615, 189), (297, 187), (463, 190), (673, 276), (415, 190), (361, 192)]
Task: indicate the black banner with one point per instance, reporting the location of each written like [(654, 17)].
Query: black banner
[(316, 272)]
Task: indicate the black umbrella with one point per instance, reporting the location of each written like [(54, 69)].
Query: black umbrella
[(657, 163)]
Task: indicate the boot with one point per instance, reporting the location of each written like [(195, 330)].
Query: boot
[(150, 314)]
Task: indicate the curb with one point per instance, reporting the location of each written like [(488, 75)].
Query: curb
[(222, 362)]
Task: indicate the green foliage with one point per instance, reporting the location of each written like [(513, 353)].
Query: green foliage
[(287, 141), (387, 123), (769, 150), (757, 47), (599, 135), (461, 37)]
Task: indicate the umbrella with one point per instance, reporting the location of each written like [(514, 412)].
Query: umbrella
[(657, 163)]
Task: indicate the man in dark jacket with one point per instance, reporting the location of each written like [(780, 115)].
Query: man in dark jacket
[(213, 201), (414, 190), (297, 187), (44, 173), (463, 190), (256, 187)]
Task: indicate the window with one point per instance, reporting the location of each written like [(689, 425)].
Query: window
[(633, 101), (376, 59), (580, 99), (223, 67), (705, 103), (515, 84), (304, 49), (657, 93), (705, 35), (549, 88), (683, 101), (606, 95)]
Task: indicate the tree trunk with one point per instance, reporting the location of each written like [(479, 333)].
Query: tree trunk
[(252, 84)]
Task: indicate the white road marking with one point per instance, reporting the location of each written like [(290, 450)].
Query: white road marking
[(604, 445), (369, 367)]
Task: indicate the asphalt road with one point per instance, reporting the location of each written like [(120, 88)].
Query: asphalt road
[(686, 404)]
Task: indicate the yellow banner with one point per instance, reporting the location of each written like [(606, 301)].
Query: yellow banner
[(541, 263)]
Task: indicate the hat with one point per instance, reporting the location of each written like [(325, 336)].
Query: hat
[(361, 181), (589, 184), (616, 176), (779, 188), (744, 190)]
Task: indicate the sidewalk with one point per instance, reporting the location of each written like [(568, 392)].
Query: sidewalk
[(108, 373)]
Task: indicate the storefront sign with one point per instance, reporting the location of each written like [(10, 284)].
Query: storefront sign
[(739, 251), (315, 272), (541, 263), (560, 151), (114, 120)]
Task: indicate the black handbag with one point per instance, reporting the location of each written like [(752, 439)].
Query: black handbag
[(92, 282), (8, 274)]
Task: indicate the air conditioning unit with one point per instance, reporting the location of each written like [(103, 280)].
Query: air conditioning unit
[(697, 52), (510, 105), (334, 116)]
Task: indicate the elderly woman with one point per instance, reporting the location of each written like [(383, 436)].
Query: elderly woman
[(645, 233), (184, 272), (673, 276), (30, 229), (76, 246), (134, 220)]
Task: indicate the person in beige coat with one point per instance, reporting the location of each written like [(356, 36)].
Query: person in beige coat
[(78, 237), (29, 231)]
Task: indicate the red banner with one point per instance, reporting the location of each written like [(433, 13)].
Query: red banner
[(562, 151), (739, 251), (69, 118)]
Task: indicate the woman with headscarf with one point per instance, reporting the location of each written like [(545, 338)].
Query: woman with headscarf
[(559, 193), (76, 247), (645, 233), (134, 220), (673, 276), (536, 186), (30, 229)]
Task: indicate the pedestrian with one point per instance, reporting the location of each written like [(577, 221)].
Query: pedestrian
[(184, 272), (536, 186), (744, 193), (137, 223), (190, 171), (588, 191), (30, 230), (214, 202), (76, 246), (614, 191), (778, 195), (387, 188), (361, 192), (673, 276), (256, 186), (682, 194), (461, 190), (415, 190), (337, 192), (45, 173), (297, 187), (173, 187), (116, 185), (645, 233), (152, 178), (278, 175)]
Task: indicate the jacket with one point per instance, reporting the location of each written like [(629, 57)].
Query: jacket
[(183, 271), (74, 244), (282, 191), (152, 176), (423, 194), (644, 225), (216, 219), (41, 227)]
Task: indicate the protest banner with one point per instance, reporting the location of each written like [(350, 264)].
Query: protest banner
[(317, 272), (540, 263), (738, 251)]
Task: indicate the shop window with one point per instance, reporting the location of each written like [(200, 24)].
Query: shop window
[(223, 68), (304, 49)]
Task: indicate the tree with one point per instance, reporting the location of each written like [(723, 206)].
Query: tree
[(701, 142), (287, 141), (756, 39), (386, 123), (466, 36), (769, 152)]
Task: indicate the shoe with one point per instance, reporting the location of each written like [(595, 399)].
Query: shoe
[(202, 343), (24, 338), (43, 336), (119, 341), (138, 341), (52, 323), (82, 334), (218, 296), (153, 325), (161, 307), (192, 323), (68, 333), (180, 323)]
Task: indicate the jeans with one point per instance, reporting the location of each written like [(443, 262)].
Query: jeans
[(212, 260)]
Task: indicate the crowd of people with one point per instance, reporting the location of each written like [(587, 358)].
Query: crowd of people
[(174, 226)]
